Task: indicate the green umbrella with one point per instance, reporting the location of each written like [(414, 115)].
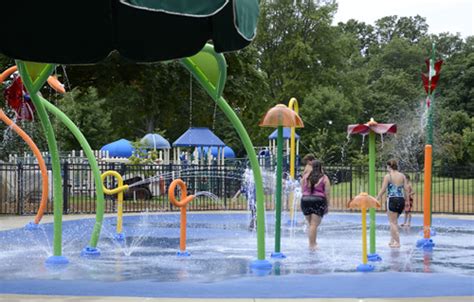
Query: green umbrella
[(140, 30)]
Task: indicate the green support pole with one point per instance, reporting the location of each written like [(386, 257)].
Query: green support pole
[(278, 192), (372, 189), (214, 92), (93, 164), (33, 86)]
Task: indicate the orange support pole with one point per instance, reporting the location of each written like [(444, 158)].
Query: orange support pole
[(39, 158), (427, 191), (185, 199), (182, 232), (4, 75)]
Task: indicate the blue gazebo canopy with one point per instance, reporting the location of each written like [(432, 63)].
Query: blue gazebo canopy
[(228, 152), (198, 137), (120, 148), (155, 141), (286, 134)]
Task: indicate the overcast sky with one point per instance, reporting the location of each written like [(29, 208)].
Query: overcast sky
[(441, 15)]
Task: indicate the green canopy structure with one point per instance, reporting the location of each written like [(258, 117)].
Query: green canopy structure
[(86, 31), (51, 32)]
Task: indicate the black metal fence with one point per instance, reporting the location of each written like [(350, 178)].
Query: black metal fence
[(20, 187)]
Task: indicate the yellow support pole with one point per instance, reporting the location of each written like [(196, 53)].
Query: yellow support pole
[(293, 105), (119, 191)]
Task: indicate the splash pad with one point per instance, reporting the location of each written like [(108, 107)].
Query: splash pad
[(222, 249)]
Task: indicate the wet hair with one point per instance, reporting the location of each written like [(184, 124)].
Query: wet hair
[(308, 157), (392, 164), (316, 174)]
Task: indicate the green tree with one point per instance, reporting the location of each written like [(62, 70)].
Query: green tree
[(296, 45), (457, 80), (88, 112), (364, 33), (326, 114), (411, 29)]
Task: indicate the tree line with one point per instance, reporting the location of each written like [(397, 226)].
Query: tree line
[(341, 74)]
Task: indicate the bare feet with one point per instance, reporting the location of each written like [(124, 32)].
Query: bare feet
[(394, 245), (313, 248)]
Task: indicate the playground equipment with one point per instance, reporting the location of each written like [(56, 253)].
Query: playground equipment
[(155, 141), (364, 201), (119, 235), (199, 138), (371, 128), (280, 116), (429, 82), (181, 31), (184, 200), (293, 105), (17, 97)]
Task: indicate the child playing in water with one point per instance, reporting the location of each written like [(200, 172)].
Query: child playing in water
[(409, 203), (308, 161), (395, 184)]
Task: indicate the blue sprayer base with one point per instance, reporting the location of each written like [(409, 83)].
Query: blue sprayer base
[(278, 255), (261, 267), (426, 244), (365, 268), (31, 226), (119, 237), (90, 252), (374, 257), (183, 254), (56, 261)]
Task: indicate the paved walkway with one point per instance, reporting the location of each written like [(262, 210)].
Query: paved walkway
[(24, 298)]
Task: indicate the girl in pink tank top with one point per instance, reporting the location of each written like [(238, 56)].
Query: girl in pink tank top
[(314, 202)]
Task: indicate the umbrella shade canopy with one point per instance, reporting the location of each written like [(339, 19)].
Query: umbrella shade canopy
[(371, 125), (286, 134), (120, 148), (141, 30), (155, 141), (228, 152), (197, 137), (280, 115), (364, 200)]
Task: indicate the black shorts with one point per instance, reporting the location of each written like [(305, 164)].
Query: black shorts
[(396, 204), (314, 205)]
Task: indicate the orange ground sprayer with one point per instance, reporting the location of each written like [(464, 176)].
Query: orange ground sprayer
[(185, 199), (426, 242)]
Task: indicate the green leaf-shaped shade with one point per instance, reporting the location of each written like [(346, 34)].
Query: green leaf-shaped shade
[(35, 69), (140, 30), (181, 7), (246, 12), (206, 62)]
